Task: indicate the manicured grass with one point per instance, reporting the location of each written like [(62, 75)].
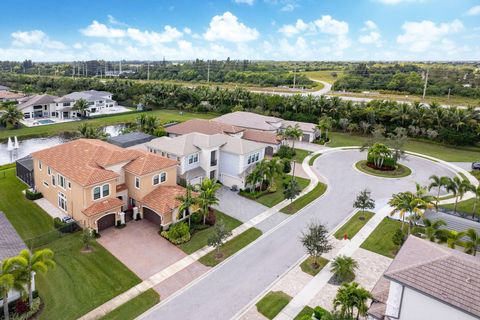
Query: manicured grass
[(307, 265), (300, 154), (199, 238), (352, 226), (301, 202), (380, 240), (54, 129), (400, 172), (312, 159), (429, 148), (135, 307), (26, 217), (271, 305), (465, 206), (306, 313), (324, 75), (231, 247), (81, 281)]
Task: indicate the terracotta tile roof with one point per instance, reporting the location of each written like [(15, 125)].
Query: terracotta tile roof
[(261, 136), (102, 206), (202, 126), (10, 95), (446, 274), (163, 198), (121, 187), (148, 162)]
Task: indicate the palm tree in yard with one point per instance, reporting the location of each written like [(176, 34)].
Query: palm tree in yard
[(9, 280), (351, 296), (473, 241), (81, 105), (273, 168), (11, 118), (343, 268), (324, 125), (477, 197), (431, 230), (253, 179), (452, 238), (38, 262), (187, 201), (207, 196), (293, 133), (459, 187), (439, 183)]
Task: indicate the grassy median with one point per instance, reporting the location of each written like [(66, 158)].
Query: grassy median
[(135, 307), (352, 226), (304, 200), (271, 305)]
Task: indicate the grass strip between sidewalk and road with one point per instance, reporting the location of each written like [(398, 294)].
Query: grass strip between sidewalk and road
[(306, 313), (307, 265), (354, 224), (231, 247), (312, 159), (304, 200), (273, 302), (135, 307)]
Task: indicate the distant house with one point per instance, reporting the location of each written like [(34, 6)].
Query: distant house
[(6, 96), (428, 281), (4, 88), (100, 185), (10, 246), (271, 139), (218, 156), (260, 122), (48, 106)]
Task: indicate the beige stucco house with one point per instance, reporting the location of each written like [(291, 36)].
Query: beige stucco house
[(101, 185)]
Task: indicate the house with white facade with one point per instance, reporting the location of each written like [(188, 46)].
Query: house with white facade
[(218, 156), (428, 281), (98, 101), (250, 120)]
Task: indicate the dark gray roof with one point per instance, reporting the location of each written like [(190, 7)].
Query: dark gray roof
[(10, 242), (26, 162), (130, 139), (4, 87)]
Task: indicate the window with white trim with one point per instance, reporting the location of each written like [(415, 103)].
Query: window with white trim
[(62, 182), (54, 182), (69, 185), (137, 182), (62, 201), (253, 158), (193, 158), (40, 164), (105, 190), (49, 172), (163, 177), (45, 183), (159, 178), (156, 179), (101, 191), (97, 193)]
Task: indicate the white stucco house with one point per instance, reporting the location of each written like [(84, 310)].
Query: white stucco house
[(428, 281), (218, 156)]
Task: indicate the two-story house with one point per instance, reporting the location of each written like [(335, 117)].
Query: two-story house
[(101, 185), (428, 281), (217, 156)]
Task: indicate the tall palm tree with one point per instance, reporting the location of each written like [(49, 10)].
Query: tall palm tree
[(253, 179), (477, 197), (350, 296), (274, 167), (38, 262), (431, 230), (11, 118), (324, 125), (412, 203), (459, 187), (81, 105), (294, 133), (452, 238), (473, 241), (439, 183), (343, 268), (9, 280), (187, 201), (207, 196)]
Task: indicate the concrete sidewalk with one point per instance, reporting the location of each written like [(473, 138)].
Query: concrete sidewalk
[(321, 279)]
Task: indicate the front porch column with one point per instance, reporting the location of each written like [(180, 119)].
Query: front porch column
[(122, 217), (137, 213)]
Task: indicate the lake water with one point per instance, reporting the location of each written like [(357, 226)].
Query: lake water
[(36, 144)]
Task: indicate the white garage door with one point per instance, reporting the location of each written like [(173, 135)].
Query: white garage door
[(230, 181), (196, 181)]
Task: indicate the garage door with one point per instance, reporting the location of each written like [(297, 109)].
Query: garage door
[(306, 138), (128, 215), (230, 181), (151, 216), (106, 222), (269, 151)]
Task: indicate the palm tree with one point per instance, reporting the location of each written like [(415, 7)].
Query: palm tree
[(38, 262), (11, 118), (293, 133), (253, 179), (412, 203), (9, 280), (324, 124), (438, 182), (473, 241), (81, 105), (431, 230), (207, 197), (187, 201), (477, 196), (459, 187), (274, 167), (350, 296), (452, 237), (343, 268)]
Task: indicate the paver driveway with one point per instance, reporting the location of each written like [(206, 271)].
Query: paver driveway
[(145, 252)]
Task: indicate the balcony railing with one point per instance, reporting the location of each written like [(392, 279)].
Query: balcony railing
[(213, 162)]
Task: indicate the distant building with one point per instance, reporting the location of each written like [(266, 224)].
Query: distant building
[(4, 88), (428, 281)]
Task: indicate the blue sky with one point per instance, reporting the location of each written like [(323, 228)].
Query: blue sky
[(241, 29)]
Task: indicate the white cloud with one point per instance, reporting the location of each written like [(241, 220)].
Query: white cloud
[(290, 30), (331, 26), (151, 37), (394, 2), (187, 30), (474, 11), (35, 38), (112, 20), (96, 29), (289, 7), (419, 36), (371, 38), (249, 2), (227, 27), (370, 25)]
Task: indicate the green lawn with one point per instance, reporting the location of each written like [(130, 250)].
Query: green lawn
[(400, 172), (26, 217), (306, 313), (380, 240), (231, 247), (312, 159), (429, 148), (324, 75), (54, 129), (301, 202), (271, 305), (352, 226), (135, 307), (81, 281), (307, 265), (300, 154), (270, 199), (465, 206), (199, 238)]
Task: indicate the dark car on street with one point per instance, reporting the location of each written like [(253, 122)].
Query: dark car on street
[(476, 165)]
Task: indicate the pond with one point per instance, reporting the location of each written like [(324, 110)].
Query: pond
[(36, 144)]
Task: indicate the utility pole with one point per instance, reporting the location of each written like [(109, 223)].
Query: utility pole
[(425, 85), (294, 76), (208, 71)]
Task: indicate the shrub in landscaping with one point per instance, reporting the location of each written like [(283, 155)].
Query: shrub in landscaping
[(388, 163), (58, 223), (211, 218), (285, 152), (287, 167), (196, 218), (177, 233), (398, 238), (33, 195), (29, 314), (319, 313)]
